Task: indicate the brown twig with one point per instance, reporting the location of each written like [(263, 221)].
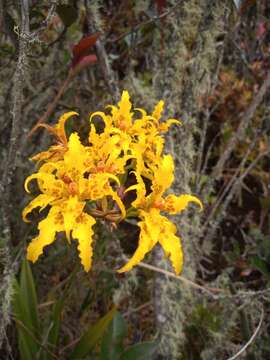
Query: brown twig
[(54, 103), (215, 293), (210, 291), (103, 60), (68, 346), (229, 197), (45, 22), (229, 185), (106, 70), (139, 308), (147, 22), (244, 123)]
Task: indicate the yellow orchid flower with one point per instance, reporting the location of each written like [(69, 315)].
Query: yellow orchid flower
[(137, 137), (65, 188), (60, 219), (66, 214), (122, 116), (156, 116), (106, 153), (98, 186), (156, 228), (58, 131), (81, 182), (148, 150)]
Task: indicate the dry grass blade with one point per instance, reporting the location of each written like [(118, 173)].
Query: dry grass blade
[(244, 348)]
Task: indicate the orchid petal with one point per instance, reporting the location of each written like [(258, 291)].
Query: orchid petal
[(41, 201), (47, 230), (83, 232), (175, 204)]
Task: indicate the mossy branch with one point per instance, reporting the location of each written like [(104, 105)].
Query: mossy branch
[(6, 190)]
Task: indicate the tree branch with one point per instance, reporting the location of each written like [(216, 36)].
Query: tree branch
[(103, 59), (8, 172)]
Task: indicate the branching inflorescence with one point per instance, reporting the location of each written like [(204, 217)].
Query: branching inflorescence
[(82, 183)]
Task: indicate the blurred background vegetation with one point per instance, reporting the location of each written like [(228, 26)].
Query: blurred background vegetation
[(210, 62)]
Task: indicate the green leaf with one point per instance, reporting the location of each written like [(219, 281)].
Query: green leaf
[(86, 301), (25, 310), (26, 339), (91, 337), (56, 321), (25, 347), (142, 351), (57, 311), (29, 295), (66, 56), (112, 342), (261, 265)]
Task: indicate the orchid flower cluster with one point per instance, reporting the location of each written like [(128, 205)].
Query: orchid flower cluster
[(81, 183)]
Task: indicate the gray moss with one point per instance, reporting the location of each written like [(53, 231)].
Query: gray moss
[(6, 291), (182, 77)]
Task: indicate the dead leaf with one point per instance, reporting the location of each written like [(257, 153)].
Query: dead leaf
[(83, 48)]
